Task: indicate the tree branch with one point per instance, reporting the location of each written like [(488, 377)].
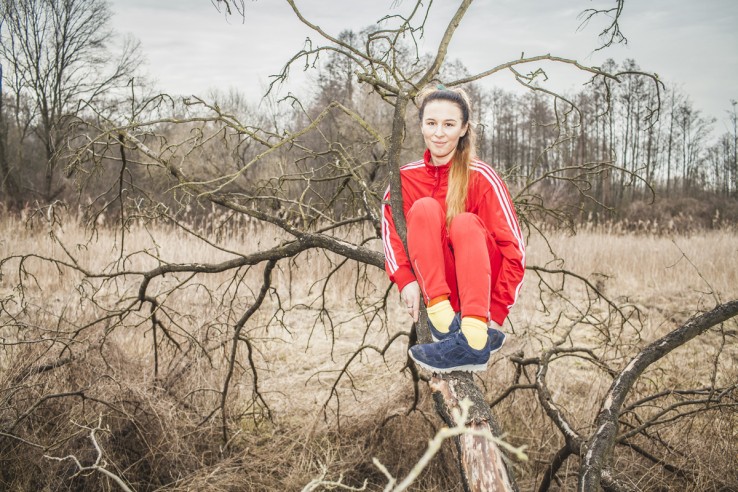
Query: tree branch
[(600, 445)]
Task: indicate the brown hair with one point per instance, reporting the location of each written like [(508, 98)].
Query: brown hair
[(458, 178)]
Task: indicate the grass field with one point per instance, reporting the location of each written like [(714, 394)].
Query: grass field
[(299, 400)]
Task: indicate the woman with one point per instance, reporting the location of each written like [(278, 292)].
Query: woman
[(466, 254)]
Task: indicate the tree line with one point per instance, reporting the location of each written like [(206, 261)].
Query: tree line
[(636, 138)]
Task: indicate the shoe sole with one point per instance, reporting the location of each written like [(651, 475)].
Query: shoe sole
[(464, 368)]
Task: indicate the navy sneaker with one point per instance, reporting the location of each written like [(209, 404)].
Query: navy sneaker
[(439, 335), (454, 353)]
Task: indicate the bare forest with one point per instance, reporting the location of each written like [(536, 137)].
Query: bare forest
[(193, 295)]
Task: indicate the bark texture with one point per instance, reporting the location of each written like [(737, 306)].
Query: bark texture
[(482, 462)]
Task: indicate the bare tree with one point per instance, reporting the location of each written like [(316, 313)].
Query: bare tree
[(58, 56), (8, 181)]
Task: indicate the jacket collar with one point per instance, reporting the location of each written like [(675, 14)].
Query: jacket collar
[(429, 165)]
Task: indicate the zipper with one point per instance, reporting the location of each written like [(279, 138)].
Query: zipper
[(436, 182)]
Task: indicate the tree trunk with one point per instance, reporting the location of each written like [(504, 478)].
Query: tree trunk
[(670, 143), (481, 461), (734, 170), (8, 183)]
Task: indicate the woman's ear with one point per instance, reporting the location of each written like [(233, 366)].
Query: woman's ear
[(466, 129)]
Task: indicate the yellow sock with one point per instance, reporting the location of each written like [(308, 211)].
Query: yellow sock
[(441, 315), (475, 332)]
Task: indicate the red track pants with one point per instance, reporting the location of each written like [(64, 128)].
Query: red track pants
[(462, 262)]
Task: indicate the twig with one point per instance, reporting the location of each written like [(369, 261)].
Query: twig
[(96, 466)]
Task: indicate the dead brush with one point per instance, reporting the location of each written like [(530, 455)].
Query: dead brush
[(144, 429), (69, 363)]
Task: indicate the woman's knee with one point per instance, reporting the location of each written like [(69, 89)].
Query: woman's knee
[(464, 224), (426, 208)]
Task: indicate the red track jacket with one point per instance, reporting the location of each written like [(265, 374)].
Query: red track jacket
[(488, 198)]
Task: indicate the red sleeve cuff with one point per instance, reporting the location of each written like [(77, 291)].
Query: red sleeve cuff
[(403, 276), (498, 312)]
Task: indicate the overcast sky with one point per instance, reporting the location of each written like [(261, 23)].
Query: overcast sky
[(190, 47)]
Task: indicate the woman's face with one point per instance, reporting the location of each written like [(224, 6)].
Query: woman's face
[(442, 127)]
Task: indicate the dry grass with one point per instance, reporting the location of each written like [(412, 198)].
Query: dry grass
[(165, 432), (668, 279)]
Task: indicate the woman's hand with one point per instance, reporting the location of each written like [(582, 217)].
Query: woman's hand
[(410, 295)]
